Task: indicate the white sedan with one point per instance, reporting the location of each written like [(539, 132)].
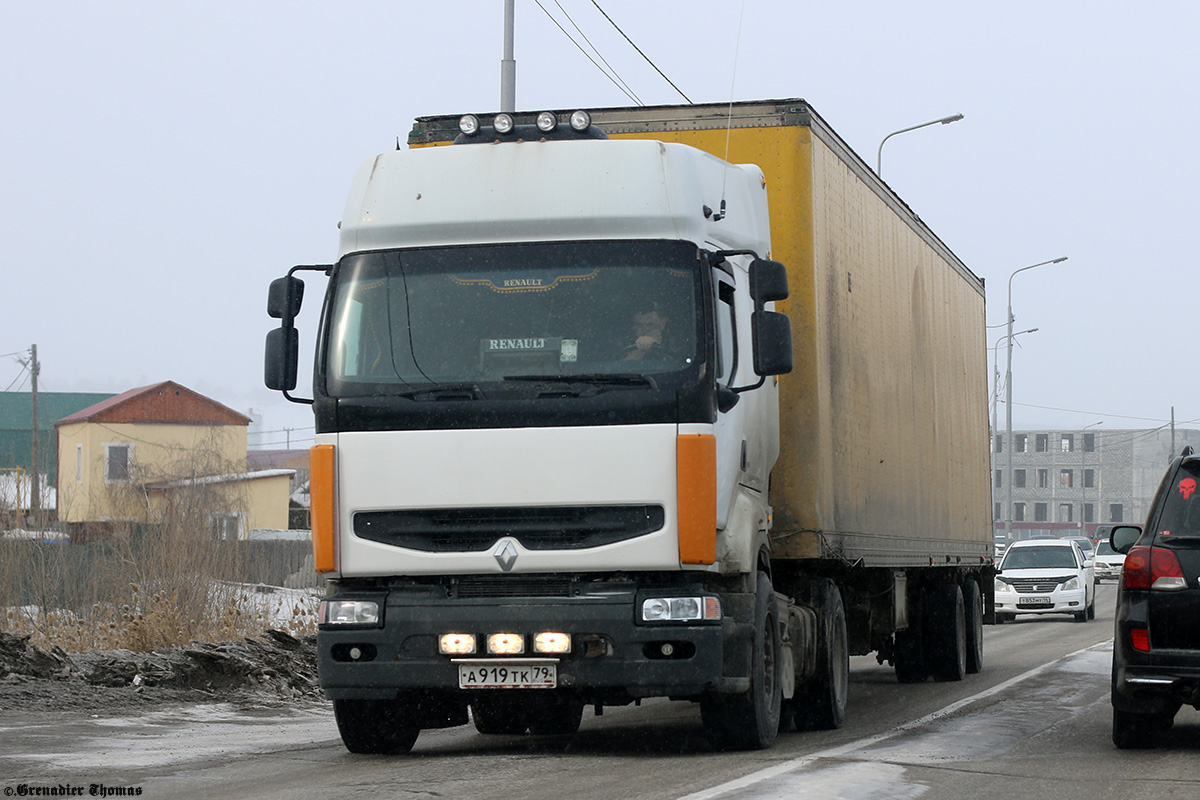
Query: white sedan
[(1045, 576)]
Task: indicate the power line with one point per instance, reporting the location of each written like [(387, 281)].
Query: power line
[(640, 53), (596, 50), (624, 91)]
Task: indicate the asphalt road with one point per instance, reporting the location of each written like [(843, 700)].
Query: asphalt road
[(1034, 722)]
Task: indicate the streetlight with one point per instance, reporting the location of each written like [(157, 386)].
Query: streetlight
[(996, 376), (879, 155), (1083, 481), (1008, 470)]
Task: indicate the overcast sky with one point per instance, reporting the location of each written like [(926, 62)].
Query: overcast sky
[(161, 162)]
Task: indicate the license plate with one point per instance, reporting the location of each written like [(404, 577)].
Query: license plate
[(507, 676), (1033, 601)]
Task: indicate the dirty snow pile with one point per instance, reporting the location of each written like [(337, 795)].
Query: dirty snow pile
[(276, 667)]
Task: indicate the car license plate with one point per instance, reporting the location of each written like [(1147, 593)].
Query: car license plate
[(507, 676), (1033, 601)]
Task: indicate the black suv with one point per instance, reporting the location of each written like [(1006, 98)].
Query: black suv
[(1156, 646)]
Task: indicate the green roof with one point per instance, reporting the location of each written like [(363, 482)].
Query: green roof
[(16, 423)]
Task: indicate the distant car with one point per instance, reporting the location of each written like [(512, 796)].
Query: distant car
[(1156, 646), (1108, 562), (1045, 576), (1086, 545)]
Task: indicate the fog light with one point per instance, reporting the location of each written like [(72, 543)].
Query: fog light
[(349, 612), (581, 120), (550, 642), (547, 121), (505, 644), (503, 123), (667, 649), (456, 644), (468, 125)]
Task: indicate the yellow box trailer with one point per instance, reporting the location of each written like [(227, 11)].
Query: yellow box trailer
[(883, 420)]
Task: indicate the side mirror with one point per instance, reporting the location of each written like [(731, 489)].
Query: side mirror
[(772, 342), (284, 298), (1124, 537), (768, 281), (282, 356)]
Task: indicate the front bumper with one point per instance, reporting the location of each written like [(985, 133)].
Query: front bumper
[(1060, 601), (612, 657)]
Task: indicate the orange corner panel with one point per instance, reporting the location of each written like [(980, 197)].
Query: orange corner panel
[(321, 489), (696, 495)]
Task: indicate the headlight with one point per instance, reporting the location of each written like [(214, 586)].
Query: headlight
[(547, 121), (1001, 586), (680, 609), (1072, 584), (349, 612)]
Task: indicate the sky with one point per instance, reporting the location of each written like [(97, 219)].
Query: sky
[(161, 163)]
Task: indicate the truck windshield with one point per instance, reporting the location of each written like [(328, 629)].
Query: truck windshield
[(577, 311)]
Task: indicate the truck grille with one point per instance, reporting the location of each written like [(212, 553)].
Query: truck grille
[(512, 587), (471, 530)]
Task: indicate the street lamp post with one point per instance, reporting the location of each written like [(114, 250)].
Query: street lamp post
[(879, 155), (1008, 470), (996, 377)]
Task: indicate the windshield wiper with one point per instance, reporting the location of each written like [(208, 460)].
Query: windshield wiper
[(444, 391), (593, 378)]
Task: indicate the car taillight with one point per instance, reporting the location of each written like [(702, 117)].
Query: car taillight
[(1152, 568), (1140, 639)]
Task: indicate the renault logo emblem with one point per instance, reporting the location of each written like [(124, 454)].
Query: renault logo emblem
[(506, 555)]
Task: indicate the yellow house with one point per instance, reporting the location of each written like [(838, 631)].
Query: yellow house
[(164, 453)]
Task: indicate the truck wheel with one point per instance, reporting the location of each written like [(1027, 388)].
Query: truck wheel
[(947, 631), (1132, 731), (375, 727), (821, 703), (499, 716), (973, 607), (750, 721), (556, 716)]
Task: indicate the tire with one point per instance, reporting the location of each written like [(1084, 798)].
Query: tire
[(973, 607), (1132, 731), (1003, 618), (499, 716), (557, 716), (946, 626), (750, 721), (820, 704), (375, 727), (1081, 616), (1091, 609)]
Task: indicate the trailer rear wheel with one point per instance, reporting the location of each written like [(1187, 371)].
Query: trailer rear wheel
[(376, 727), (750, 721), (973, 606), (947, 631), (821, 703)]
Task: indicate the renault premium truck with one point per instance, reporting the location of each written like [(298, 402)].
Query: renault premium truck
[(675, 401)]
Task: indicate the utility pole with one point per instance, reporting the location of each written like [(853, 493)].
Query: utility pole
[(35, 490)]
